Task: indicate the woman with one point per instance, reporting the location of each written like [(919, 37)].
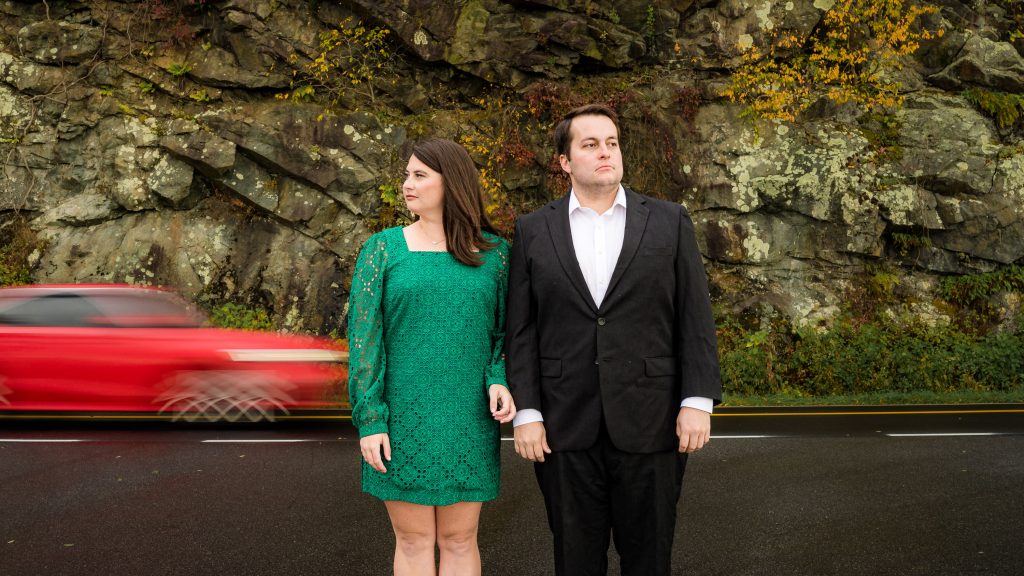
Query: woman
[(427, 378)]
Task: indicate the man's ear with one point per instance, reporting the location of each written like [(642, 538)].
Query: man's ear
[(564, 161)]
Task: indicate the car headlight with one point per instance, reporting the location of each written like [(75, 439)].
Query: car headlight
[(287, 355)]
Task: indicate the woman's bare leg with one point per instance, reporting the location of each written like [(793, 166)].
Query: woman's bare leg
[(415, 537), (456, 537)]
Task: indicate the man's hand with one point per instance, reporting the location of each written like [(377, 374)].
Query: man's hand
[(371, 447), (693, 427), (531, 441)]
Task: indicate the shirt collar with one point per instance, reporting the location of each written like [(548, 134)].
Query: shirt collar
[(620, 200)]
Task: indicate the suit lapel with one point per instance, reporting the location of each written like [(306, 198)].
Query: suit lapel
[(636, 222), (561, 237)]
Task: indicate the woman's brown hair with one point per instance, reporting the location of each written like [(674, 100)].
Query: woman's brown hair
[(463, 207)]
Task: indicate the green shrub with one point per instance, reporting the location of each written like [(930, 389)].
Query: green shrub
[(843, 359), (17, 241), (996, 362), (12, 276), (972, 295), (865, 358), (240, 316), (969, 289), (746, 369), (749, 359)]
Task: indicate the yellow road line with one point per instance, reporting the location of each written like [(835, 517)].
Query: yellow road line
[(79, 417)]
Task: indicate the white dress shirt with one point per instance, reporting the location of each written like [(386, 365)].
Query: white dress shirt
[(597, 241)]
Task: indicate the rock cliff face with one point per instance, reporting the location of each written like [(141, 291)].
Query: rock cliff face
[(185, 142)]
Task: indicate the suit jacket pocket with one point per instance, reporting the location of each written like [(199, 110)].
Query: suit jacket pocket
[(661, 366), (551, 367), (656, 251)]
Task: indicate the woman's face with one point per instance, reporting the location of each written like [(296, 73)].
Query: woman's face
[(423, 189)]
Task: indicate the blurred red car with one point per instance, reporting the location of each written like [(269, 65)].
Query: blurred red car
[(117, 348)]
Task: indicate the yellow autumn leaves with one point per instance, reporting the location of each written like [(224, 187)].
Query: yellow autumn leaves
[(850, 56)]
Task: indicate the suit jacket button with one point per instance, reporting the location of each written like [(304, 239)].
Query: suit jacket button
[(600, 321)]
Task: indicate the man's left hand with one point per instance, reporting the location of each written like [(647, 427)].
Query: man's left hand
[(693, 427)]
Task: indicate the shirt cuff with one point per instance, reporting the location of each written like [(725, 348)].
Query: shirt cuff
[(527, 416), (698, 402), (530, 415)]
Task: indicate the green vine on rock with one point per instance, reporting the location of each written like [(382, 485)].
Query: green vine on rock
[(392, 211), (970, 289), (973, 293), (1004, 107), (907, 243)]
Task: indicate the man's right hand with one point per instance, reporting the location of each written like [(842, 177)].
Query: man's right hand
[(531, 441)]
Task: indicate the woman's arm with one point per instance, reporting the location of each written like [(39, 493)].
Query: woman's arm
[(503, 409), (367, 359)]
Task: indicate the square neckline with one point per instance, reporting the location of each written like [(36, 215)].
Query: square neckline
[(405, 244)]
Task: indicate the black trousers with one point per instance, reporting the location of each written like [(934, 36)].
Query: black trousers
[(600, 492)]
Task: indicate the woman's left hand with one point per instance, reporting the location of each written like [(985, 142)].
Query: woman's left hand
[(503, 408)]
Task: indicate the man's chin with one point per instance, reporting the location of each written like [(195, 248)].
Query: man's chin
[(609, 180)]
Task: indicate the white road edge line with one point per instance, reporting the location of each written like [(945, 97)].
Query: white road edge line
[(267, 441), (40, 440), (509, 439), (912, 435)]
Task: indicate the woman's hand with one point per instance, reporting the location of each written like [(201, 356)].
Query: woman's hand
[(371, 446), (503, 408)]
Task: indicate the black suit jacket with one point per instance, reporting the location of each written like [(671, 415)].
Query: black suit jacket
[(632, 360)]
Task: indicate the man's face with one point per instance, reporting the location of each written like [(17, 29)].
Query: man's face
[(596, 160)]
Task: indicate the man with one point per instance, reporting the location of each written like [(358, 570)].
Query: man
[(611, 356)]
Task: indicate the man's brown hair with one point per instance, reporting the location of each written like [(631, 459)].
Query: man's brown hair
[(563, 136)]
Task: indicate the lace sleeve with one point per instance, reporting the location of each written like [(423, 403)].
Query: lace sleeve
[(496, 368), (367, 360)]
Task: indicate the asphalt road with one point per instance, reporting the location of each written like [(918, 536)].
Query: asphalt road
[(801, 492)]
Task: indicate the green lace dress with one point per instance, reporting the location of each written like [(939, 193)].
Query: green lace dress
[(425, 333)]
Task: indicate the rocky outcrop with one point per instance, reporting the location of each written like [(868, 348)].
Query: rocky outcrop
[(167, 142), (983, 62)]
